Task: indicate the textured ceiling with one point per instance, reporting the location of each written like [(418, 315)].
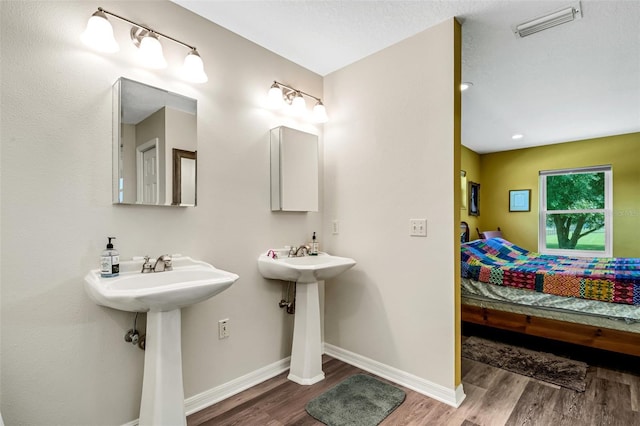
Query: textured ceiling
[(576, 81)]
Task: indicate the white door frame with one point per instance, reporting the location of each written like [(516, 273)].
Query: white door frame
[(140, 150)]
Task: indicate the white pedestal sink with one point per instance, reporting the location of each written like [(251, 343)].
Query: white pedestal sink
[(161, 294), (306, 350)]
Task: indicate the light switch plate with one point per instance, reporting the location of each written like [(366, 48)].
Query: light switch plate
[(418, 227), (335, 227)]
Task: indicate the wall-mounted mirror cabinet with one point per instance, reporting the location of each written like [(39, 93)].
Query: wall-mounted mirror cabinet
[(154, 146), (294, 170)]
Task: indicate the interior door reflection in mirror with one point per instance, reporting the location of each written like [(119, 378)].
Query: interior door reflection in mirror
[(150, 126)]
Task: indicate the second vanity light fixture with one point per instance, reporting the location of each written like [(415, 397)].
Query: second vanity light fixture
[(283, 96), (99, 35)]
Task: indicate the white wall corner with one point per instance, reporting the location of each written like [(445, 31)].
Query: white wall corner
[(452, 397)]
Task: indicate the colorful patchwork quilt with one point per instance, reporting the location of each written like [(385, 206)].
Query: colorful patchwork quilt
[(497, 261)]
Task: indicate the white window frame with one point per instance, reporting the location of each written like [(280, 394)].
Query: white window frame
[(608, 215)]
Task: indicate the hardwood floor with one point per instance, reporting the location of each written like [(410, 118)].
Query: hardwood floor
[(494, 397)]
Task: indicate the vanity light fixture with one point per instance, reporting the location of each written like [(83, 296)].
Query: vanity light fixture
[(99, 35), (283, 96), (150, 52), (298, 104), (557, 17)]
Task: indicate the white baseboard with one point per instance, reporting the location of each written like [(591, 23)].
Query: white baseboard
[(209, 397), (224, 391), (432, 390)]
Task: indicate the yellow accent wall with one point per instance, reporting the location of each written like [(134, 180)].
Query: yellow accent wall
[(470, 163), (518, 169)]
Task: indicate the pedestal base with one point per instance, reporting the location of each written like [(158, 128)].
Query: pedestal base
[(162, 388), (306, 351)]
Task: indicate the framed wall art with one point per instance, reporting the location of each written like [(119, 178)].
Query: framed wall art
[(474, 199), (520, 200), (463, 188)]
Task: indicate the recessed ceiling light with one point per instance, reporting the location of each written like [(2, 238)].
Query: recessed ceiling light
[(465, 85), (517, 136)]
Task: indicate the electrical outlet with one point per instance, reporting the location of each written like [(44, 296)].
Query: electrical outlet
[(418, 227), (223, 328), (336, 227)]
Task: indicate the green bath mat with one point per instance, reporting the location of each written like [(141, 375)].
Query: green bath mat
[(360, 400)]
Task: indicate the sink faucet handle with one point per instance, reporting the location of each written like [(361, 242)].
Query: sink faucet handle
[(168, 266), (146, 265)]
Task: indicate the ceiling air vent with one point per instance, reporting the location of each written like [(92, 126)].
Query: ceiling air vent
[(541, 23)]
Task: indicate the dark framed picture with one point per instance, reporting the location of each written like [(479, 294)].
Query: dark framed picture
[(520, 200), (463, 189), (474, 199)]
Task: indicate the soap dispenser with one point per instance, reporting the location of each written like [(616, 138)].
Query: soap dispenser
[(314, 246), (109, 261)]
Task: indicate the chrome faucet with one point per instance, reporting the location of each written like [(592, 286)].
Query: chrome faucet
[(295, 251), (163, 263)]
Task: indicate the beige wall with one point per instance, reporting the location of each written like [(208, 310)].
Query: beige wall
[(389, 151), (128, 135), (64, 360)]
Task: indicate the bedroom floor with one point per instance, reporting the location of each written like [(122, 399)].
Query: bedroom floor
[(494, 397)]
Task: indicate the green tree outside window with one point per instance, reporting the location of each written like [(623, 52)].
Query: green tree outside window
[(575, 211), (579, 191)]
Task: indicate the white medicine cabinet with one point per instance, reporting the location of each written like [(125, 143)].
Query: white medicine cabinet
[(294, 170)]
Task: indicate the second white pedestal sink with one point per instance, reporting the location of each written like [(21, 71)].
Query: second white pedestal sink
[(306, 271), (161, 294)]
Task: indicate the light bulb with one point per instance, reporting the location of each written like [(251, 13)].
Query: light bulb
[(320, 113), (193, 68), (298, 105), (151, 52), (99, 34), (275, 97)]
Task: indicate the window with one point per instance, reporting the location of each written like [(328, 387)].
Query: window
[(575, 212)]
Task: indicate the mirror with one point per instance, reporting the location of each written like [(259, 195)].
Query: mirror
[(294, 170), (154, 146)]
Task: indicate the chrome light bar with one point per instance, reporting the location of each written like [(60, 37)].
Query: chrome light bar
[(541, 23)]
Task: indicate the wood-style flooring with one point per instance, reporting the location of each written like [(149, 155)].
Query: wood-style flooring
[(494, 397)]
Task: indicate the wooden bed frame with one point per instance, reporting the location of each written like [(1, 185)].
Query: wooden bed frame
[(581, 334)]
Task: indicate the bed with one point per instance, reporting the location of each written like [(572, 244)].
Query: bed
[(587, 301)]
